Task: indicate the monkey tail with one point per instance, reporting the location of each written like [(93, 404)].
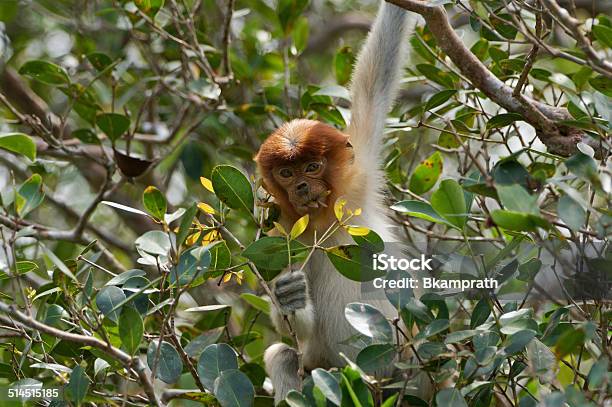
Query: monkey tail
[(376, 78), (282, 367)]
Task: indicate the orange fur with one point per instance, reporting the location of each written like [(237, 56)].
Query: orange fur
[(300, 140)]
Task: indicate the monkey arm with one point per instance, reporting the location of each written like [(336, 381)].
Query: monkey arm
[(376, 81)]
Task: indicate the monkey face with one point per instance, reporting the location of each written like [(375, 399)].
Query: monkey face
[(305, 184)]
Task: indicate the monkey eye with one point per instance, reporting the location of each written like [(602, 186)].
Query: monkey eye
[(312, 167), (285, 173)]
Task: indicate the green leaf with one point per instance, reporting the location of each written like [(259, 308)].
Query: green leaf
[(440, 98), (149, 7), (213, 360), (107, 299), (449, 202), (583, 166), (87, 136), (480, 49), (232, 187), (419, 310), (434, 328), (120, 279), (169, 363), (154, 202), (571, 212), (540, 74), (58, 263), (271, 252), (154, 242), (480, 314), (377, 356), (296, 399), (131, 329), (99, 60), (516, 198), (529, 269), (503, 120), (77, 387), (19, 143), (257, 302), (25, 266), (114, 125), (192, 263), (29, 196), (426, 174), (300, 34), (510, 172), (437, 75), (343, 65), (421, 210), (602, 84), (185, 227), (598, 374), (45, 72), (328, 385), (420, 46), (353, 262), (542, 361), (459, 336), (369, 321), (234, 389), (220, 256), (506, 29), (450, 398), (197, 345), (288, 12), (397, 296), (519, 341), (372, 242), (603, 34), (390, 402), (518, 221)]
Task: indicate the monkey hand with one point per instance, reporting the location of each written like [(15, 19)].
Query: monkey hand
[(291, 290)]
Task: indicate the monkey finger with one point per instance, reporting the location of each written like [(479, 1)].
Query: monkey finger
[(293, 306), (288, 289), (294, 296), (290, 278)]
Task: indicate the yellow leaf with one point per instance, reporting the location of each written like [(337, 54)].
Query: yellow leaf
[(227, 277), (206, 208), (339, 208), (206, 183), (357, 230), (299, 227), (193, 238), (357, 211), (210, 237), (239, 277), (280, 228)]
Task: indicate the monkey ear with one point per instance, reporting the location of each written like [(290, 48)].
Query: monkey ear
[(348, 144)]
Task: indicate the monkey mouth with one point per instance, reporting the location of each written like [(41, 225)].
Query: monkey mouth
[(315, 202)]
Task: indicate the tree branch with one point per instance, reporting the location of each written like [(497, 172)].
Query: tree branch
[(573, 26), (130, 363), (324, 35), (44, 233), (559, 139)]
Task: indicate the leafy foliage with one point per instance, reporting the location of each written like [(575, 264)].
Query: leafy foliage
[(158, 120)]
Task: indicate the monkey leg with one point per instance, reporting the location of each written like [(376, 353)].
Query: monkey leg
[(282, 367)]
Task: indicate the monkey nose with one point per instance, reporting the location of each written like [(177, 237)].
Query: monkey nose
[(302, 188)]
